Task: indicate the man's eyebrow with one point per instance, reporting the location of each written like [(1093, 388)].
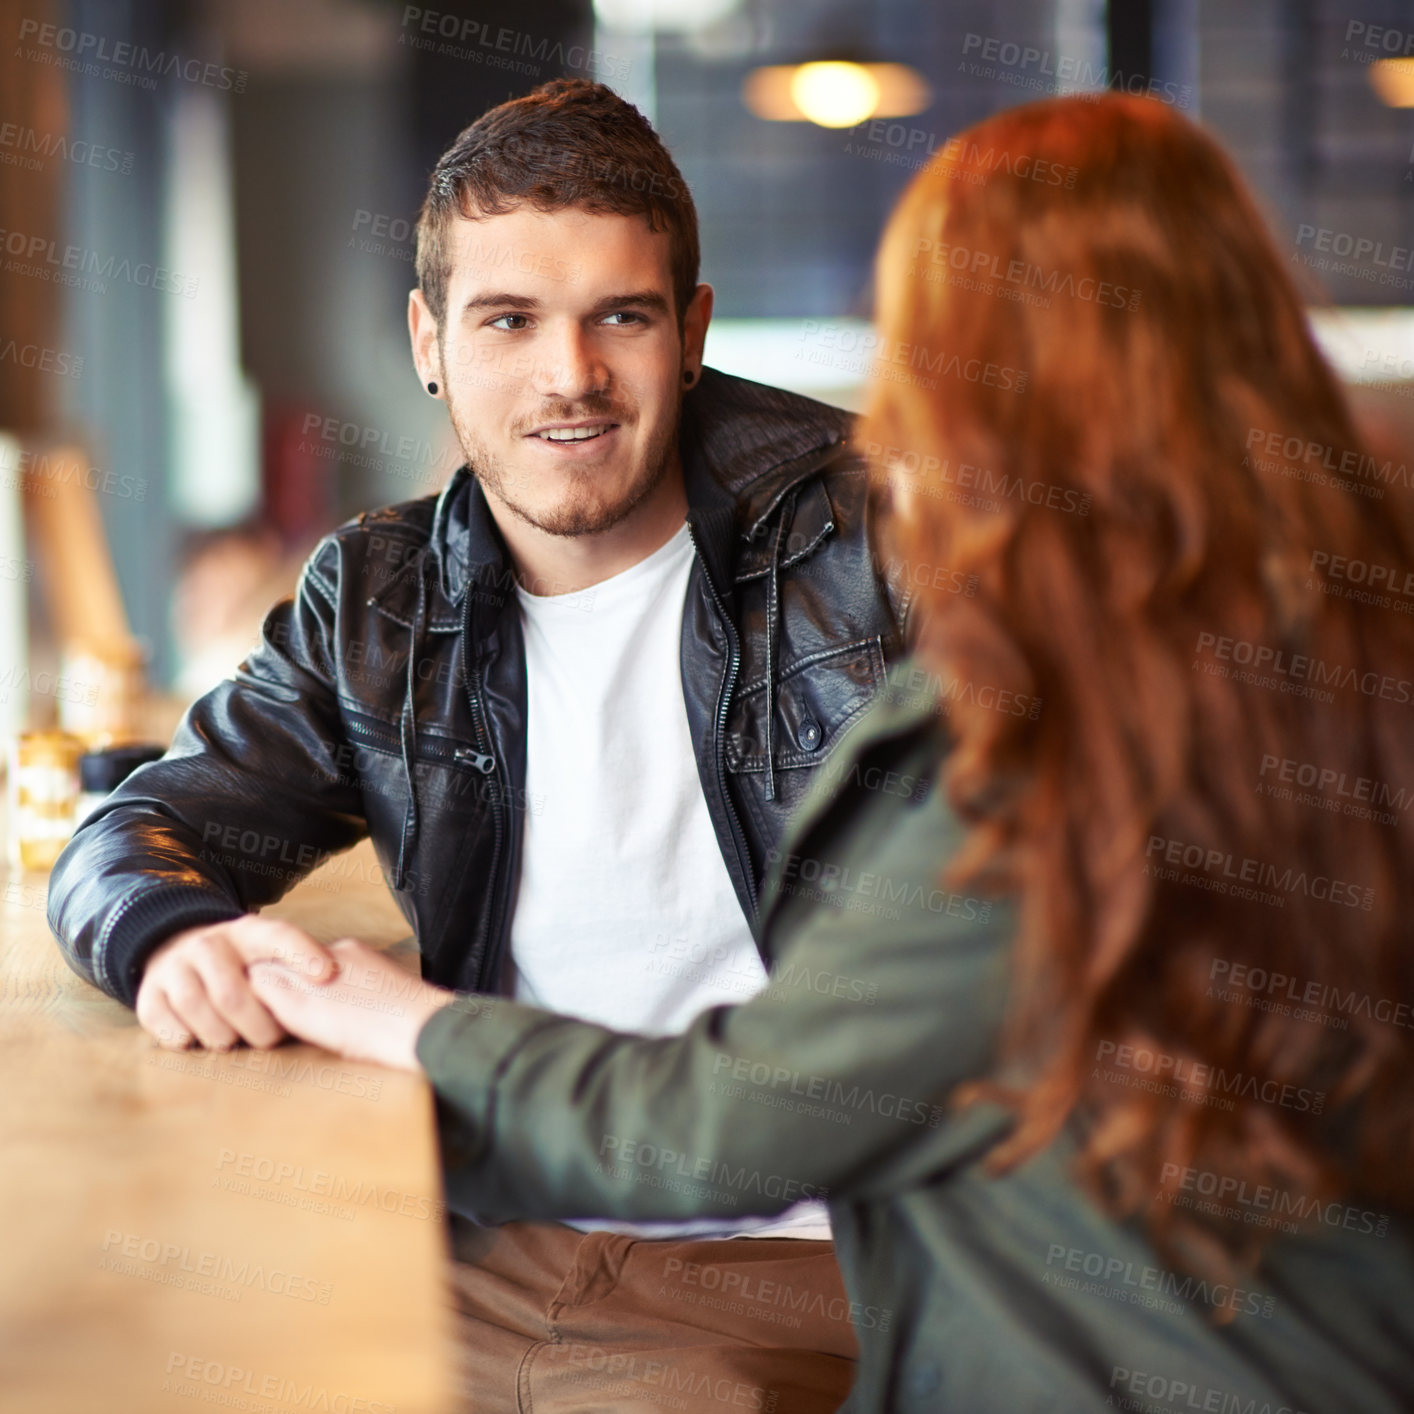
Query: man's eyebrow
[(636, 299), (501, 299), (649, 300)]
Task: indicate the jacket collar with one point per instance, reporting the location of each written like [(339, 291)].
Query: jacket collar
[(744, 447), (753, 442)]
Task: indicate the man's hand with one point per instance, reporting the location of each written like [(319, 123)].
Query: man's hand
[(372, 1011), (196, 986)]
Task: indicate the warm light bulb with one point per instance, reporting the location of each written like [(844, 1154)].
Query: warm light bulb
[(833, 94), (1393, 80)]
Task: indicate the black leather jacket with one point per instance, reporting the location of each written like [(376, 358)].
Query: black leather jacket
[(389, 698)]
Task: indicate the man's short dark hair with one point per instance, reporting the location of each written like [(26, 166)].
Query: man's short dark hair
[(570, 142)]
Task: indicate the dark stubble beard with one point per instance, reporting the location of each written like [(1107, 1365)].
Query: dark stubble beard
[(582, 512)]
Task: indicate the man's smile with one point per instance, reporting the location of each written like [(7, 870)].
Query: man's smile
[(569, 436)]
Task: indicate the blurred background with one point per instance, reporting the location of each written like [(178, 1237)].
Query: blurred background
[(206, 243)]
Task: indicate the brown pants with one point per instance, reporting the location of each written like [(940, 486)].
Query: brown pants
[(550, 1319)]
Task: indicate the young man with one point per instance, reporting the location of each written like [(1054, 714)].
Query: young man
[(572, 699)]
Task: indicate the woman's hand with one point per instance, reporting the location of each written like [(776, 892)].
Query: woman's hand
[(371, 1010)]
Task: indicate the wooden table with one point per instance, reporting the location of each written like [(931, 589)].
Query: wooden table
[(253, 1231)]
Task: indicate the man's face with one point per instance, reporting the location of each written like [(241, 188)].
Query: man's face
[(562, 363)]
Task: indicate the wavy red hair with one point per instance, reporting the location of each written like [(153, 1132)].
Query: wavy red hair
[(1125, 516)]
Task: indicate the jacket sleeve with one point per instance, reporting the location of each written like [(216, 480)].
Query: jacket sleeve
[(885, 992), (248, 800)]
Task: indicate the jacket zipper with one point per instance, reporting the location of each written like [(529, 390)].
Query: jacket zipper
[(429, 748), (468, 757), (486, 763), (724, 693)]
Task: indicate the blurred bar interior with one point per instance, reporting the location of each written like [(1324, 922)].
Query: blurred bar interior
[(207, 210)]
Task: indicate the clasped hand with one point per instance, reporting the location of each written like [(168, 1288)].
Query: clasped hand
[(260, 980)]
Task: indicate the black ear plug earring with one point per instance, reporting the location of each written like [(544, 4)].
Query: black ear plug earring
[(689, 378), (432, 388)]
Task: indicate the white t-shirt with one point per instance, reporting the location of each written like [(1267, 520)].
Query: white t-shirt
[(625, 913)]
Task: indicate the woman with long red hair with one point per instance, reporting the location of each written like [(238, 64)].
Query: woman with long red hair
[(1168, 597), (1091, 996)]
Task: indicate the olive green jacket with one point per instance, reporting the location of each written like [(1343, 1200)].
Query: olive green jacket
[(968, 1292)]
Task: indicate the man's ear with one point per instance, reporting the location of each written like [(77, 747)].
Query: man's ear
[(426, 353), (694, 330)]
